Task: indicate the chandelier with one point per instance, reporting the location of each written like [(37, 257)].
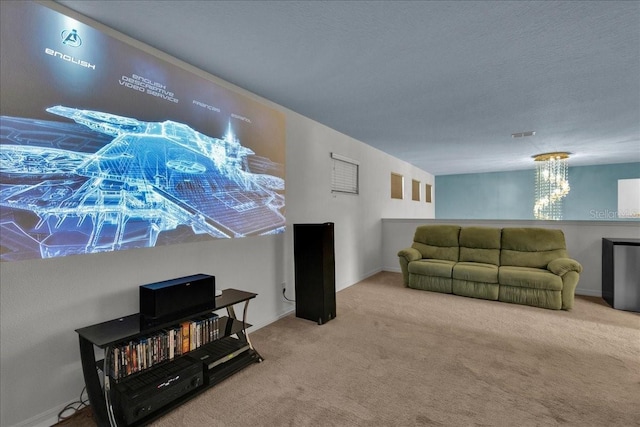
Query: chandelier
[(552, 185)]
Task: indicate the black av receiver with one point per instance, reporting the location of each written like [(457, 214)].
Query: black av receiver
[(140, 395)]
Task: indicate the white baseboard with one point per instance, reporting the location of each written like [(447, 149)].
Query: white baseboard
[(342, 286), (45, 419), (589, 292), (368, 274)]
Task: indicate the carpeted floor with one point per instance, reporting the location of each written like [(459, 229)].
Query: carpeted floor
[(394, 356)]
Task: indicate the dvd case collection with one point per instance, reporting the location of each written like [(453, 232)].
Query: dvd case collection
[(143, 353)]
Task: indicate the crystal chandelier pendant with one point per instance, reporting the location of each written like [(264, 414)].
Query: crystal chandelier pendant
[(552, 185)]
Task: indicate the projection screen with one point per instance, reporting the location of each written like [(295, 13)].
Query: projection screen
[(106, 146)]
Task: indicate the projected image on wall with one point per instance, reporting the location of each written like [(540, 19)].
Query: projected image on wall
[(162, 156)]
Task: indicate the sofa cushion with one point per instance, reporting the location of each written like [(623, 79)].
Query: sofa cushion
[(476, 272), (432, 267), (430, 283), (475, 289), (480, 244), (544, 298), (531, 247), (527, 277), (437, 241)]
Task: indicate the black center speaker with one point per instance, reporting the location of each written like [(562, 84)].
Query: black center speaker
[(315, 271), (172, 299)]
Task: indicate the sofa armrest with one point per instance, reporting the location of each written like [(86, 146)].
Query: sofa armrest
[(405, 256), (410, 254), (561, 266)]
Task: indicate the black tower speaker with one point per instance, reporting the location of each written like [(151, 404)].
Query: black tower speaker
[(315, 271)]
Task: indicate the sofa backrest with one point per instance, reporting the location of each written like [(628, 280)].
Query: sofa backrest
[(437, 241), (531, 247), (480, 244)]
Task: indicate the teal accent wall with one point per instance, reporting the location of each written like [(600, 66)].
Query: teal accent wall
[(509, 195)]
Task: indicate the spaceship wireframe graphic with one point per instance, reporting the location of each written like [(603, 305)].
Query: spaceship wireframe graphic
[(111, 182)]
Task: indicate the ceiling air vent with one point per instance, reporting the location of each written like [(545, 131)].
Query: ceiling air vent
[(521, 134)]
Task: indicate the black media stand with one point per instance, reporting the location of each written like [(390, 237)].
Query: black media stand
[(140, 397)]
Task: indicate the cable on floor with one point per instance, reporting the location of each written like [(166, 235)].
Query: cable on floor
[(74, 406)]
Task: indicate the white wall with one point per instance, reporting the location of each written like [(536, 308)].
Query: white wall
[(357, 218), (583, 238), (42, 302)]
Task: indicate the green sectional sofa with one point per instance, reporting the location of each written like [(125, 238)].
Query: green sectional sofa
[(518, 265)]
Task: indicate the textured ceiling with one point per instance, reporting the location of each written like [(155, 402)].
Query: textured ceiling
[(441, 85)]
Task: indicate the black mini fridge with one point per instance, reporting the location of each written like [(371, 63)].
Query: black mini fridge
[(315, 272)]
